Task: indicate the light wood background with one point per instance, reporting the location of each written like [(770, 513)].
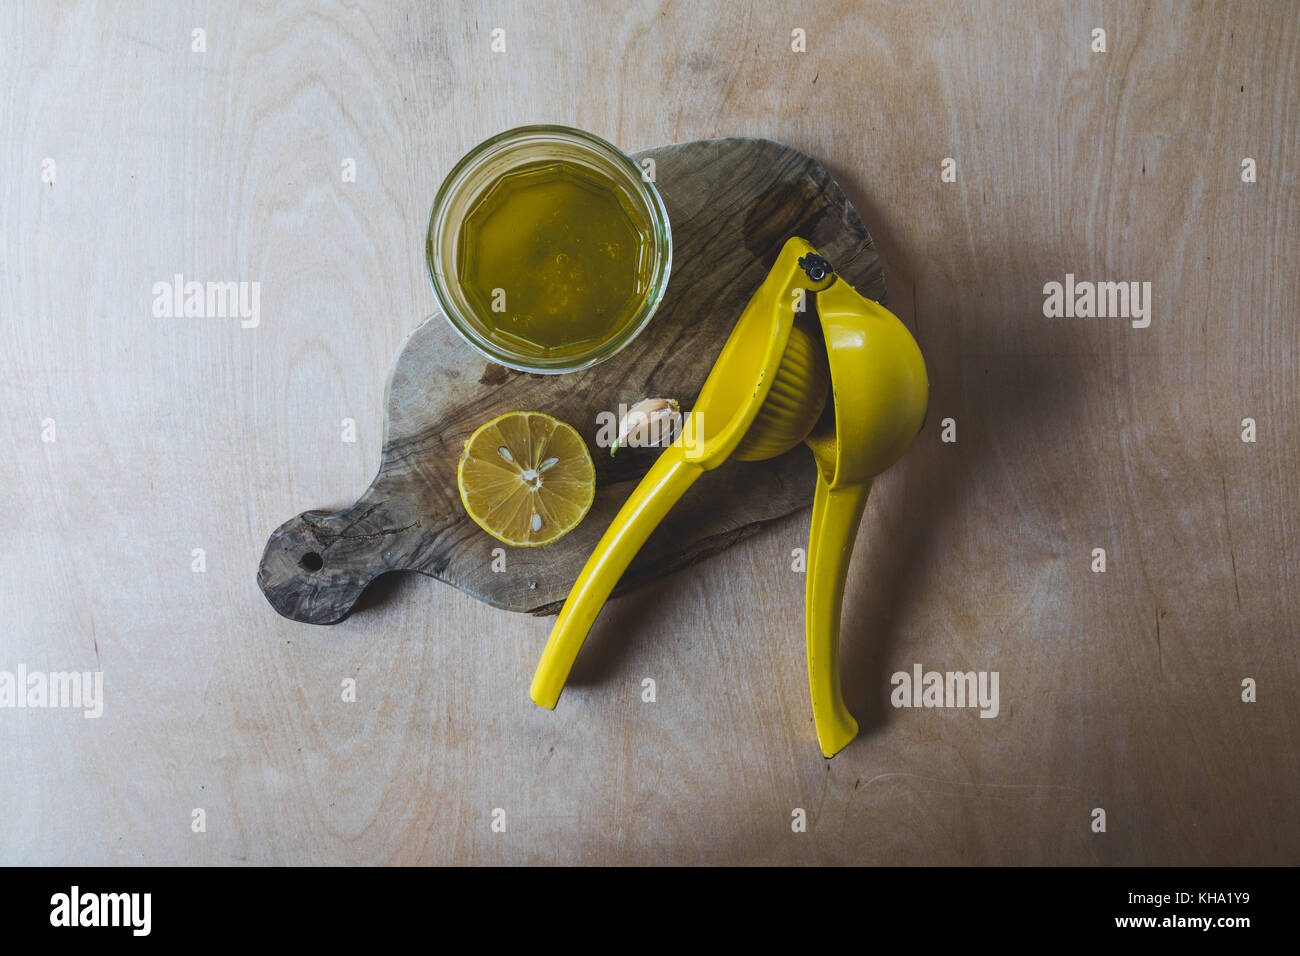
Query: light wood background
[(1118, 690)]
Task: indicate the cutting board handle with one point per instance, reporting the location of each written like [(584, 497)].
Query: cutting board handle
[(316, 565)]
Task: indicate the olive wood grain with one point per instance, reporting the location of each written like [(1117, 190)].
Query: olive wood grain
[(732, 203)]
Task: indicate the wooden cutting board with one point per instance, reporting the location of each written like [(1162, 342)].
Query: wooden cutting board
[(732, 204)]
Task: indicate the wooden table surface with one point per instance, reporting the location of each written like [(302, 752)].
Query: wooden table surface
[(130, 440)]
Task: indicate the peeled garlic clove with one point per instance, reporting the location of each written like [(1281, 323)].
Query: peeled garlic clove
[(652, 422)]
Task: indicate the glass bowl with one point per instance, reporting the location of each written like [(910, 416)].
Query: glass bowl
[(478, 172)]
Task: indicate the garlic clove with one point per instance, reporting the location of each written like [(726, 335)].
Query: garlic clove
[(651, 422)]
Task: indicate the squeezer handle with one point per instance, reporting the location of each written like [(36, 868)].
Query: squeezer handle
[(665, 482), (836, 514)]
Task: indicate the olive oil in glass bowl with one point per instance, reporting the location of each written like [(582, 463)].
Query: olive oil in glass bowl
[(548, 249)]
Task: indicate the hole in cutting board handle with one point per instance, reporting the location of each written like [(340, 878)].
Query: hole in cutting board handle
[(311, 561)]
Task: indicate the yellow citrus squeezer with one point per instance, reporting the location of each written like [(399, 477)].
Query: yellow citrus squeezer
[(767, 393)]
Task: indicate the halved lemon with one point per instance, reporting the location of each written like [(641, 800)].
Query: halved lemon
[(526, 478)]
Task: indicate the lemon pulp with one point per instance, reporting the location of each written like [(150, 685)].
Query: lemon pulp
[(526, 478)]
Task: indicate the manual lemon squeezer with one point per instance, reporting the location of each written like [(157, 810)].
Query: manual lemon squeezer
[(767, 393)]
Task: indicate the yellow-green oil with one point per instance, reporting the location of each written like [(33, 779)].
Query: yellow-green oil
[(553, 260)]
